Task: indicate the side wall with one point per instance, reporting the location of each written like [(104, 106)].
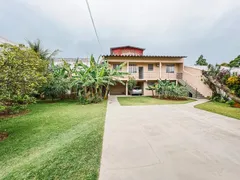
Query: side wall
[(146, 92), (193, 77)]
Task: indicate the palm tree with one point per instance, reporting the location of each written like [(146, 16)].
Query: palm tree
[(44, 54)]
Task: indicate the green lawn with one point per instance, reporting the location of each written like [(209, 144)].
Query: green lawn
[(53, 141), (220, 108), (144, 100)]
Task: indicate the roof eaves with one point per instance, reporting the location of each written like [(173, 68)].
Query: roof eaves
[(145, 56)]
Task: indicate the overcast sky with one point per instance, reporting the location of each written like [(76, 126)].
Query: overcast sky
[(163, 27)]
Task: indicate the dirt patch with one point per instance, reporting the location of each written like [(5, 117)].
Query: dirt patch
[(236, 105), (4, 116), (3, 135)]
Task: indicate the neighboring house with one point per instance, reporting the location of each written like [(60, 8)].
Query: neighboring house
[(146, 69), (71, 61)]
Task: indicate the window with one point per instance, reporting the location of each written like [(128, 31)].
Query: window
[(170, 68), (150, 67), (115, 66), (132, 68)]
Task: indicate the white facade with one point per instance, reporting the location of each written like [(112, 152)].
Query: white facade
[(232, 70), (71, 61), (4, 40)]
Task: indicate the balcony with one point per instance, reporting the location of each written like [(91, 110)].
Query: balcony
[(146, 75), (154, 76)]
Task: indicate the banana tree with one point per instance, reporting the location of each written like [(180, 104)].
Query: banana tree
[(112, 76), (152, 88)]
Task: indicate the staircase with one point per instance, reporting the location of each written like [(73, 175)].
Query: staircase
[(193, 91)]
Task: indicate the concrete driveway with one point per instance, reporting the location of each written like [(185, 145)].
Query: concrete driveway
[(169, 142)]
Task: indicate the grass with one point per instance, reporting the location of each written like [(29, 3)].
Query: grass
[(144, 100), (220, 108), (60, 140)]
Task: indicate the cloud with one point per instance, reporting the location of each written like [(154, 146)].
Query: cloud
[(171, 27)]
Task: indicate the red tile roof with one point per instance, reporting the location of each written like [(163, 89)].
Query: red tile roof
[(121, 47)]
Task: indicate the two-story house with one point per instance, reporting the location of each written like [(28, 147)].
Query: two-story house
[(146, 69)]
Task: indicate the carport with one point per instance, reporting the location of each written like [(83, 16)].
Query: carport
[(118, 89)]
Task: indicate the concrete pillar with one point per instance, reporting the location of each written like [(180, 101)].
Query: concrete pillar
[(127, 66), (160, 70), (126, 88)]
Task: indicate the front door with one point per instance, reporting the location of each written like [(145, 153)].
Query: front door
[(140, 71)]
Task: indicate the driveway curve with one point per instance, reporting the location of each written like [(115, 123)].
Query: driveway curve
[(169, 142)]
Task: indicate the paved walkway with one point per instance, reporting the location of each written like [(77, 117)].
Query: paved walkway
[(169, 142)]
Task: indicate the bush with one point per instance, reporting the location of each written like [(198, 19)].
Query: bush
[(131, 83), (219, 98), (169, 90), (56, 87), (2, 109), (231, 103), (15, 104)]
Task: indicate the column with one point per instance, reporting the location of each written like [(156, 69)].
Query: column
[(160, 70), (126, 88), (127, 66)]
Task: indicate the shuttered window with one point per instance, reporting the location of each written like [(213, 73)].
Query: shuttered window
[(170, 68), (150, 67), (115, 66), (132, 68)]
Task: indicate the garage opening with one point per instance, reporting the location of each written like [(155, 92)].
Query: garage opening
[(118, 89)]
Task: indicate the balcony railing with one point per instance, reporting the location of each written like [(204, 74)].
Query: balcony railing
[(146, 75), (179, 75), (155, 76)]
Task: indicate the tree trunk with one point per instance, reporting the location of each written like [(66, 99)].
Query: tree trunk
[(91, 91), (152, 93), (85, 93), (224, 88), (106, 93)]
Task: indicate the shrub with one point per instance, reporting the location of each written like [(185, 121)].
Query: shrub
[(56, 87), (231, 103), (15, 104), (233, 80), (169, 90), (131, 83), (2, 109), (216, 97)]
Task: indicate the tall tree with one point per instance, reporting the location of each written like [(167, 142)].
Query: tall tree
[(201, 61), (44, 54), (235, 62), (22, 73), (216, 78)]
